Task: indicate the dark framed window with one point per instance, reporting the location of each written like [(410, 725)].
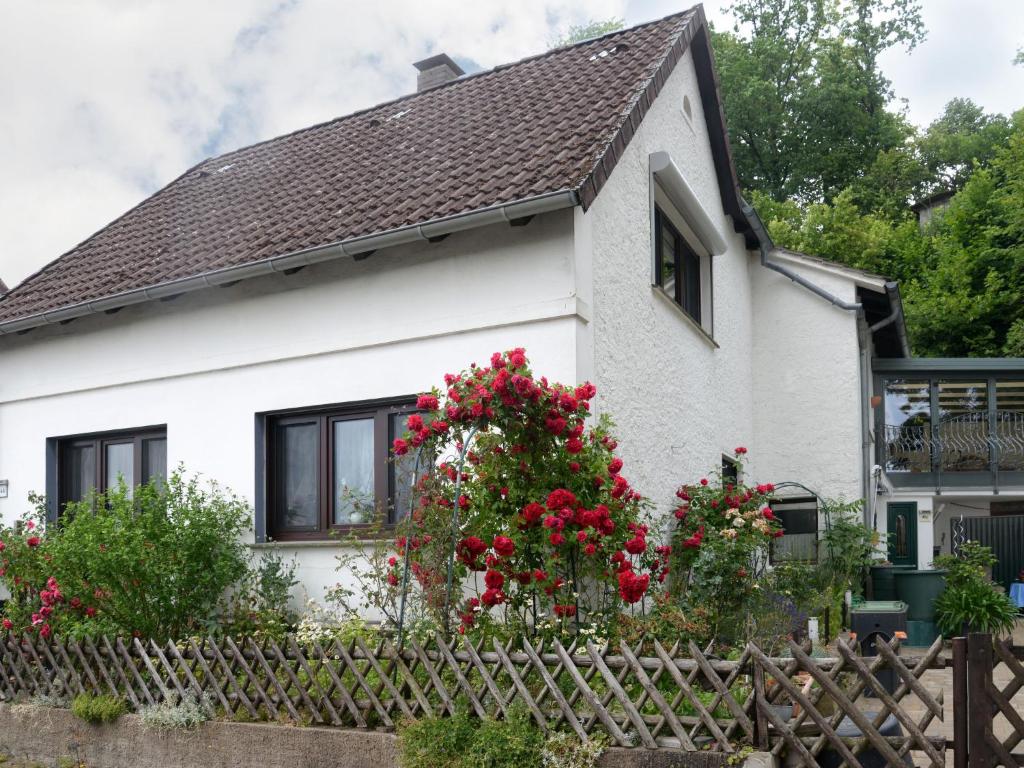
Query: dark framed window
[(799, 520), (677, 266), (730, 471), (330, 469), (99, 461)]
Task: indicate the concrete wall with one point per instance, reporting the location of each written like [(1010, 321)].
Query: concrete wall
[(205, 363)]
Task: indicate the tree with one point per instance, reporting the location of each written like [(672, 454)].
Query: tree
[(962, 278), (803, 93), (579, 32), (940, 159), (968, 299), (963, 137)]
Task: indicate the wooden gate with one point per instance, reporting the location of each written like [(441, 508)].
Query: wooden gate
[(988, 725)]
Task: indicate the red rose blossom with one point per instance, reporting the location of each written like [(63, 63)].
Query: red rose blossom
[(560, 497), (426, 403), (494, 580), (492, 597), (504, 546), (32, 541)]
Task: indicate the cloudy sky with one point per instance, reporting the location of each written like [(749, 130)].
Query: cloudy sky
[(104, 101)]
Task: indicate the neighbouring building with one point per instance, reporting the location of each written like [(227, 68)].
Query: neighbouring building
[(268, 317)]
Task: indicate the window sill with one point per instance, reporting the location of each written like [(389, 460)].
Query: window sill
[(297, 544), (341, 540), (704, 336)]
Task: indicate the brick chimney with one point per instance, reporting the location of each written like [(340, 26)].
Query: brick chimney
[(436, 70)]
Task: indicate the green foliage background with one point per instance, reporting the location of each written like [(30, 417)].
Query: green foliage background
[(833, 166)]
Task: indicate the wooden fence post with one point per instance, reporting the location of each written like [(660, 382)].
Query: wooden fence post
[(979, 677), (961, 704), (760, 702)]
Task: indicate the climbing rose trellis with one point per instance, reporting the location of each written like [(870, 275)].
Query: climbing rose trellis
[(547, 528)]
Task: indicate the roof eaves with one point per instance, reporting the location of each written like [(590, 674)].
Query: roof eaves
[(877, 282), (365, 244)]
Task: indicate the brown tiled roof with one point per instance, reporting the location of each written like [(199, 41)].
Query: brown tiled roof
[(551, 123)]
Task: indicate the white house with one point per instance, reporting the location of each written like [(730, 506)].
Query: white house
[(267, 316)]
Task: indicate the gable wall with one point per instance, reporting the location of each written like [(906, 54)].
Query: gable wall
[(678, 401), (783, 380)]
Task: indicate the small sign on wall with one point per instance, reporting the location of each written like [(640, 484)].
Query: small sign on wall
[(3, 489)]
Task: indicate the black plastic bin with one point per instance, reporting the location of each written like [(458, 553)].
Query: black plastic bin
[(870, 757), (879, 620)]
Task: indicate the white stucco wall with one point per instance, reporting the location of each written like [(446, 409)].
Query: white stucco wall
[(782, 376), (806, 381), (679, 401), (207, 362)]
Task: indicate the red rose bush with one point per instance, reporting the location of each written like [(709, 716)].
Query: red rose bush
[(720, 541), (548, 527)]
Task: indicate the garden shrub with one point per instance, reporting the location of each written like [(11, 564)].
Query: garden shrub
[(565, 750), (549, 528), (154, 562), (515, 742), (260, 604), (185, 714), (464, 742), (719, 548), (97, 709), (971, 602), (434, 742)]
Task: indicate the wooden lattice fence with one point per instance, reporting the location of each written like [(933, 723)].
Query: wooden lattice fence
[(985, 707), (645, 696)]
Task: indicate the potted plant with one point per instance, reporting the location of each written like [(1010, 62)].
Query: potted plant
[(971, 602)]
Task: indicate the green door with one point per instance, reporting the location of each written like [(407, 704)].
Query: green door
[(903, 533)]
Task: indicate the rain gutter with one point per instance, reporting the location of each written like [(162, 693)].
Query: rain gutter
[(355, 247)]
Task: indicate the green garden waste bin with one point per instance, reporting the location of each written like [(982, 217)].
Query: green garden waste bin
[(883, 581), (919, 590)]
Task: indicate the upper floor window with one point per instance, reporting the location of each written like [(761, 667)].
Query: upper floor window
[(682, 269), (100, 461), (329, 469)]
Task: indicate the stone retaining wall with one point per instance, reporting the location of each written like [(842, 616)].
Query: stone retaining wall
[(45, 735)]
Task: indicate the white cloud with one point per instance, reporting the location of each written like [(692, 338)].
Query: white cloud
[(103, 101)]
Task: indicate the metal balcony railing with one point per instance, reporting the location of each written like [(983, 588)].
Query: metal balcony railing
[(960, 444)]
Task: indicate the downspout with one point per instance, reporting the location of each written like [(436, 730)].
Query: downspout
[(766, 248), (892, 289)]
